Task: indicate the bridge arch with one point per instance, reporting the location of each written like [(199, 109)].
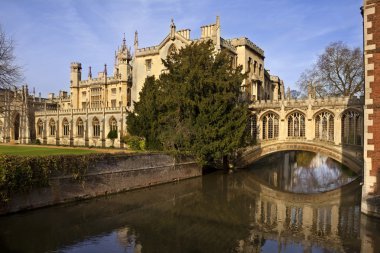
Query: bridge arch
[(350, 158)]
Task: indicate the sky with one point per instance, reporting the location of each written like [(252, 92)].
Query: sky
[(50, 34)]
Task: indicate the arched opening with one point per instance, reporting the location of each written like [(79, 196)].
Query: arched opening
[(80, 127), (352, 128), (95, 127), (296, 125), (129, 97), (270, 126), (52, 127), (324, 126), (113, 124), (66, 127), (40, 128)]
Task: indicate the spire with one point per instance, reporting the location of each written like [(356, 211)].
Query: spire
[(105, 70), (89, 72), (124, 45), (136, 43), (172, 29)]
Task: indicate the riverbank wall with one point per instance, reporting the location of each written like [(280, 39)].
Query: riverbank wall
[(115, 173)]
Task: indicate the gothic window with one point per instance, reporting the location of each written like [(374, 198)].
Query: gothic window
[(172, 49), (296, 125), (52, 127), (113, 124), (40, 127), (113, 103), (148, 64), (66, 127), (352, 128), (270, 126), (95, 127), (80, 127), (324, 126)]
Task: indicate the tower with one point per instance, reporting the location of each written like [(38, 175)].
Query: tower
[(75, 78)]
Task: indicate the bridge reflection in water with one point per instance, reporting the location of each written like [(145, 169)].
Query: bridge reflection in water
[(238, 212)]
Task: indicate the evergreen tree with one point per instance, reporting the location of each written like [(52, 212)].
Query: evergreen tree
[(143, 121), (199, 108)]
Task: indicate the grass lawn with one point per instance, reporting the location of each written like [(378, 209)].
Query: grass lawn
[(41, 151)]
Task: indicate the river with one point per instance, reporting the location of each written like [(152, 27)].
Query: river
[(287, 202)]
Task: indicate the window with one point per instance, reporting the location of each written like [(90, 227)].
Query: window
[(84, 105), (270, 126), (95, 127), (52, 127), (113, 91), (249, 64), (324, 126), (352, 128), (113, 124), (83, 94), (254, 67), (66, 127), (254, 127), (296, 125), (148, 64), (96, 97), (80, 127), (40, 128), (113, 103)]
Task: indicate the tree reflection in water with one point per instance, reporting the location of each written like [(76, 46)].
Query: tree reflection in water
[(302, 172)]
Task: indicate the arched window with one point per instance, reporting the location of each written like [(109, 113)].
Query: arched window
[(324, 126), (80, 127), (352, 128), (113, 124), (52, 127), (296, 125), (270, 126), (66, 127), (172, 49), (40, 127), (95, 127)]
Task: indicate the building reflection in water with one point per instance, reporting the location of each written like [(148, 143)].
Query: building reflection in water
[(237, 212), (302, 172)]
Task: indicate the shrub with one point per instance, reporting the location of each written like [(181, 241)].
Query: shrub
[(134, 142)]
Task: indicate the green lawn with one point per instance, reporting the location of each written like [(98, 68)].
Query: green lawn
[(41, 151)]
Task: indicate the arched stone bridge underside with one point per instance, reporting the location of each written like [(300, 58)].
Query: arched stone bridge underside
[(352, 156)]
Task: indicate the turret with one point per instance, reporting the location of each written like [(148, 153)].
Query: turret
[(75, 74), (123, 58)]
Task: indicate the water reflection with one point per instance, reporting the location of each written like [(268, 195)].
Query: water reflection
[(302, 172), (215, 213)]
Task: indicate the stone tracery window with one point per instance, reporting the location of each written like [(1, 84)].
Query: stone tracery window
[(80, 127), (66, 127), (95, 127), (40, 127), (113, 124), (324, 126), (253, 126), (52, 127), (296, 125), (352, 127), (270, 126)]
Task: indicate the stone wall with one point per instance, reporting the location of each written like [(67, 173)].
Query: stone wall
[(371, 23), (116, 174)]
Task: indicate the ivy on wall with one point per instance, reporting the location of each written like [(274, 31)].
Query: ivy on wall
[(20, 174)]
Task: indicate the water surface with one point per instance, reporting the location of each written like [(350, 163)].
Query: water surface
[(214, 213)]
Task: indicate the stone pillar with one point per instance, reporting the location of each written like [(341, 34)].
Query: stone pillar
[(371, 24)]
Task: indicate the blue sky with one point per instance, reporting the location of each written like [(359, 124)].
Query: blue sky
[(51, 34)]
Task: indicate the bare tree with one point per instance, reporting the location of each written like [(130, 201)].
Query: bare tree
[(10, 72), (338, 71)]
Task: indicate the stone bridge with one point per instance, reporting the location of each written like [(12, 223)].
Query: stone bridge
[(332, 126)]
